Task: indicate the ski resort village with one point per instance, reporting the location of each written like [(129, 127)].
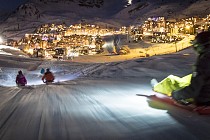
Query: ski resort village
[(104, 69), (66, 42)]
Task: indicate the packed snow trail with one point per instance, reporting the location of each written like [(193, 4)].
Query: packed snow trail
[(95, 101), (93, 109)]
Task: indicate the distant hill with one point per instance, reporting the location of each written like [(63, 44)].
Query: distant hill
[(116, 13)]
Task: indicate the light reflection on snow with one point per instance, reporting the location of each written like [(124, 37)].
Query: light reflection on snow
[(123, 100), (8, 47), (113, 102), (7, 77), (58, 78), (5, 53)]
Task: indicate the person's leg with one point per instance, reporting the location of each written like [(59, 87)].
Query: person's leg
[(191, 91), (172, 83)]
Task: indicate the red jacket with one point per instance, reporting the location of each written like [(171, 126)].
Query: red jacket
[(48, 77)]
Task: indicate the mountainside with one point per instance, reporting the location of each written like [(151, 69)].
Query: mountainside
[(168, 8), (108, 12)]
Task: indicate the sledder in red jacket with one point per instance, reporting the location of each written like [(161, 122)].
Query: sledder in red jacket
[(48, 76)]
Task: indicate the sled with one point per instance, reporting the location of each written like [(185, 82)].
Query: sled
[(49, 83), (25, 87), (60, 83), (55, 83), (202, 110), (162, 92)]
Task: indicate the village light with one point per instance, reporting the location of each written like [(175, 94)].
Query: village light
[(187, 27)]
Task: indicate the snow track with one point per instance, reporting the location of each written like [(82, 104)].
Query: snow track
[(96, 101), (92, 109)]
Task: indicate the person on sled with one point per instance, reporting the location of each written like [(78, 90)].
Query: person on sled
[(48, 76), (42, 71), (195, 87), (20, 79)]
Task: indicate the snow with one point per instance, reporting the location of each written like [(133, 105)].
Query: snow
[(34, 13), (94, 100), (94, 97)]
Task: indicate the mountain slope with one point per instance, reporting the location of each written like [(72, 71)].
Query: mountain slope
[(111, 12), (180, 9)]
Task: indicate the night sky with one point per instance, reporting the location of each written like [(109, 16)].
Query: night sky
[(8, 5)]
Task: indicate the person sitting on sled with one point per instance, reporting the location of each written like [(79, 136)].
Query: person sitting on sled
[(48, 77), (194, 87), (20, 79), (42, 71)]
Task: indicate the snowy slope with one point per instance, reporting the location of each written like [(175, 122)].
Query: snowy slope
[(94, 101), (91, 100), (153, 67), (170, 9)]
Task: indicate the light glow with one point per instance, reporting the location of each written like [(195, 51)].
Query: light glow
[(129, 2), (1, 40), (187, 27)]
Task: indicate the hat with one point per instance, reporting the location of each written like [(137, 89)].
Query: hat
[(201, 41), (20, 72), (202, 38)]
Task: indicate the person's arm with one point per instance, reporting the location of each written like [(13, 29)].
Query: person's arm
[(43, 77)]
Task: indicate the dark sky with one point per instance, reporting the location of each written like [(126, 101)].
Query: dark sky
[(8, 5)]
